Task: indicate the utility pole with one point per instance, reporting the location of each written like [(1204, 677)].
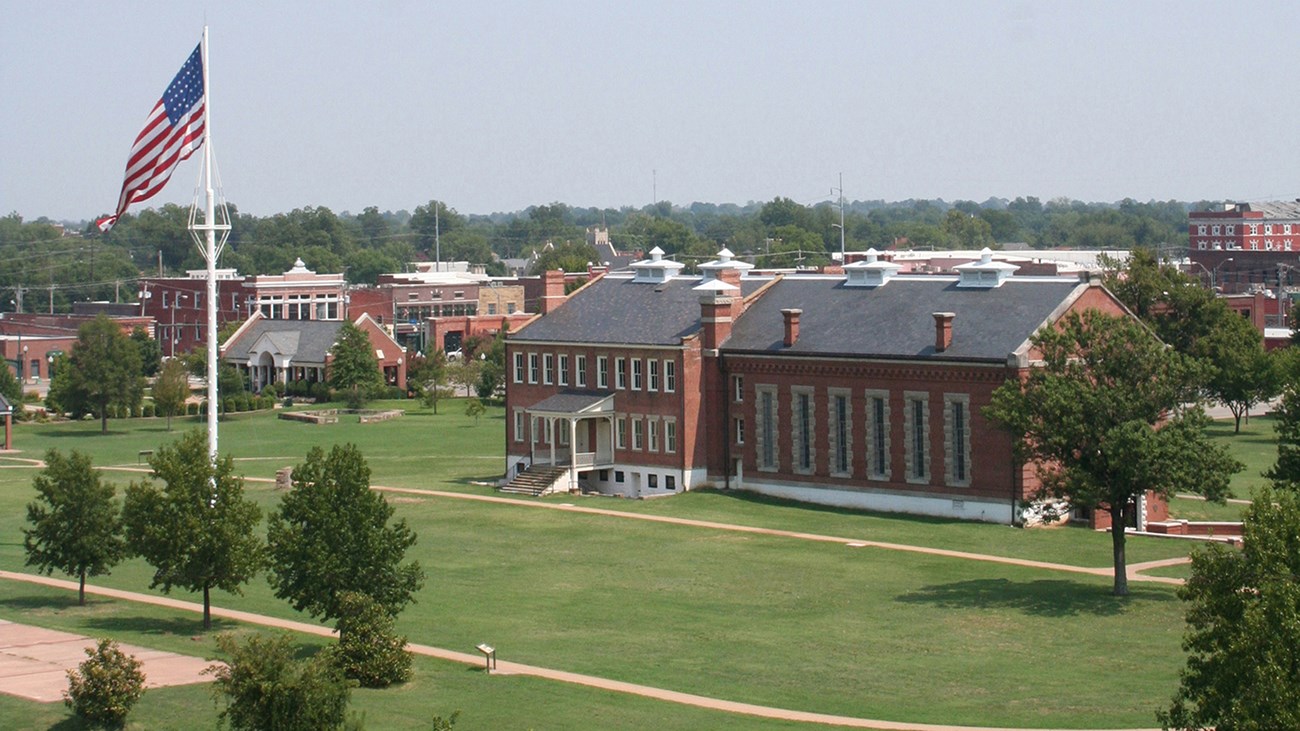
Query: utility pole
[(18, 297), (841, 192)]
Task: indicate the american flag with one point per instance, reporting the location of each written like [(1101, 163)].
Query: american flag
[(172, 132)]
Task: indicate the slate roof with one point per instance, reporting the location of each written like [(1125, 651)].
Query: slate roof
[(304, 341), (1275, 209), (896, 320), (615, 310)]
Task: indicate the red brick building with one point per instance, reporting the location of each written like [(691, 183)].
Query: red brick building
[(1245, 245), (275, 351), (862, 390)]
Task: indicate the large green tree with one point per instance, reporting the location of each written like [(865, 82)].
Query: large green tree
[(150, 351), (332, 534), (1285, 472), (197, 529), (103, 370), (1243, 374), (1102, 421), (1243, 627), (354, 368), (76, 525)]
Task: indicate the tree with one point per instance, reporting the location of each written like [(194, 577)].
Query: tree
[(103, 370), (369, 651), (1102, 423), (1244, 374), (10, 388), (76, 525), (1285, 472), (428, 375), (1243, 633), (331, 534), (171, 389), (474, 408), (464, 373), (105, 686), (355, 369), (265, 687), (150, 351), (197, 531)]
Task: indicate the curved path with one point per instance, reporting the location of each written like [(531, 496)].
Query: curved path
[(512, 668)]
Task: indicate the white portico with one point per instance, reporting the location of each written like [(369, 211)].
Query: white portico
[(580, 424)]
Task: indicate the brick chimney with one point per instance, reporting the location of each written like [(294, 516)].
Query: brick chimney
[(791, 326), (552, 290), (943, 330)]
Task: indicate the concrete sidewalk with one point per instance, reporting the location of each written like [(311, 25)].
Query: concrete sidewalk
[(34, 662)]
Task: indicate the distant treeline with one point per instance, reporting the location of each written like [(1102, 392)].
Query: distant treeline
[(81, 263)]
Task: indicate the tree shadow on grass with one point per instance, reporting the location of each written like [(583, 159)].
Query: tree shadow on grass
[(1043, 598), (179, 626), (43, 601), (71, 723)]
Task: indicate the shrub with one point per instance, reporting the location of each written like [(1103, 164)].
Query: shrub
[(369, 651), (266, 688), (104, 687), (148, 410)]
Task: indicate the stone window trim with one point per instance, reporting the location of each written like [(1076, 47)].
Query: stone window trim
[(620, 432), (918, 464), (879, 435), (670, 435), (652, 434), (956, 445), (836, 449), (803, 429), (638, 432)]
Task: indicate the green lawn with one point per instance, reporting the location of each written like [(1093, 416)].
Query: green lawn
[(761, 619)]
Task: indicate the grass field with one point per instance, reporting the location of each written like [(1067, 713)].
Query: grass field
[(761, 619)]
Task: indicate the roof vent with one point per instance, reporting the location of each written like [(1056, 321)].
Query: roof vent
[(657, 269), (870, 272), (984, 273)]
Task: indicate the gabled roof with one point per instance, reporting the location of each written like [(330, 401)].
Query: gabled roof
[(304, 341), (616, 310), (896, 320)]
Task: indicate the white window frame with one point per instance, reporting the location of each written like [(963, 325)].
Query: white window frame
[(670, 376), (563, 365), (652, 435), (602, 371), (637, 369), (519, 367), (519, 425), (580, 378), (638, 432), (652, 375), (548, 368), (533, 368), (620, 374), (620, 432), (670, 436)]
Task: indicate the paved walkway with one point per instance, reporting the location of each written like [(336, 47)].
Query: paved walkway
[(34, 662), (511, 668)]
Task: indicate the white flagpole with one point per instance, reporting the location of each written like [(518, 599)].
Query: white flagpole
[(210, 227)]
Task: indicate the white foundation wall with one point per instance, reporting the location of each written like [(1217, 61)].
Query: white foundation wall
[(939, 506)]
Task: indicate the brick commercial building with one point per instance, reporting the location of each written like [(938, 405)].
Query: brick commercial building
[(1246, 245), (862, 390)]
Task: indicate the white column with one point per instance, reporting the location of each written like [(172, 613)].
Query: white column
[(573, 454)]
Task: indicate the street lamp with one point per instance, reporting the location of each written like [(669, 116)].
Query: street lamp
[(1213, 272), (176, 303)]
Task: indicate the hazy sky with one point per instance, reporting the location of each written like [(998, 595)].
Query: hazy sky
[(494, 106)]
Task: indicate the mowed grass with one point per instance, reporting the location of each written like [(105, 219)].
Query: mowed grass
[(763, 619)]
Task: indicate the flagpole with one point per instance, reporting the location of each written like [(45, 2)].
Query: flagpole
[(210, 255)]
